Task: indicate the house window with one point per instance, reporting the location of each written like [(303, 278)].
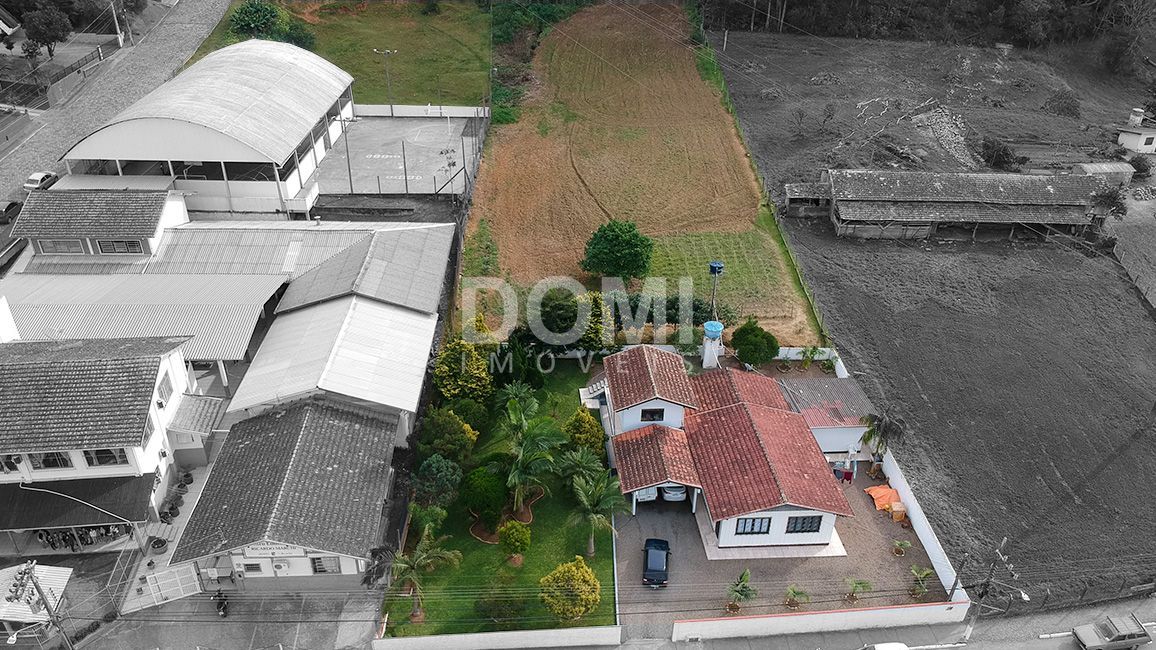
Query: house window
[(103, 457), (1149, 140), (165, 390), (810, 524), (253, 568), (325, 564), (61, 247), (119, 246), (50, 460), (653, 415), (150, 429), (753, 526)]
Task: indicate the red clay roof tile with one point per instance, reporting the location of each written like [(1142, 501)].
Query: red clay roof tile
[(653, 455), (643, 373)]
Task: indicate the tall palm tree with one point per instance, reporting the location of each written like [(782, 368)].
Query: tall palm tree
[(520, 392), (519, 415), (532, 458), (409, 569), (581, 462), (598, 498), (882, 430)]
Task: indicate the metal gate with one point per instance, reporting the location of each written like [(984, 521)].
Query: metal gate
[(166, 586)]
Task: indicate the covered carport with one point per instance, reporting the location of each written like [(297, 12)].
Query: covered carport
[(655, 456)]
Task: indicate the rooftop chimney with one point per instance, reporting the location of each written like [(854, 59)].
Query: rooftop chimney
[(1136, 117)]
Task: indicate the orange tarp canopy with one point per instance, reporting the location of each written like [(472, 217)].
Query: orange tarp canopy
[(883, 495)]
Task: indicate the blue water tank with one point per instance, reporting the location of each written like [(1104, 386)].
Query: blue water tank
[(713, 329)]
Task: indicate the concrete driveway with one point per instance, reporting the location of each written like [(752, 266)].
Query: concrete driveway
[(255, 621)]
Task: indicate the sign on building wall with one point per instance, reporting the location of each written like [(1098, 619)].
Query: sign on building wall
[(271, 549)]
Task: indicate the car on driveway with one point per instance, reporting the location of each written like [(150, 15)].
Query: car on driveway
[(9, 210), (674, 493), (655, 561), (40, 181), (1112, 633)]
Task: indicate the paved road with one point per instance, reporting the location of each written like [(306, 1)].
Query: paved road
[(128, 76)]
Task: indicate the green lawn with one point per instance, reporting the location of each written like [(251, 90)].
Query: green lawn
[(452, 592), (442, 58)]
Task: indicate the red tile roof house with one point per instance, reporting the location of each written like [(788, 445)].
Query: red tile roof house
[(748, 444)]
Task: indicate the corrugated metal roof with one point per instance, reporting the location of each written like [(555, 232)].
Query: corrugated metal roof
[(827, 401), (86, 264), (356, 347), (218, 311), (1105, 167), (290, 247), (53, 581), (406, 267), (263, 94), (1007, 189)]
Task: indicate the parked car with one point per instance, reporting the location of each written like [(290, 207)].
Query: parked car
[(646, 494), (674, 493), (655, 560), (40, 181), (9, 210), (1112, 633)]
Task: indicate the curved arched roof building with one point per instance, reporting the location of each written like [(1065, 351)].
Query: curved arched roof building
[(254, 112), (253, 101)]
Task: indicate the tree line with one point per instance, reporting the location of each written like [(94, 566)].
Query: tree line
[(1122, 24)]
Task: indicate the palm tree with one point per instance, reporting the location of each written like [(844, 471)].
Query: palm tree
[(409, 569), (882, 430), (519, 415), (921, 574), (599, 497), (857, 587), (581, 462), (741, 591), (520, 392), (532, 458)]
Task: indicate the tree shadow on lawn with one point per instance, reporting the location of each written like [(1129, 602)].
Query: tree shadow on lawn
[(451, 593)]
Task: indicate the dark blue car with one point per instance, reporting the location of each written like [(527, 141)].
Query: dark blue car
[(655, 556)]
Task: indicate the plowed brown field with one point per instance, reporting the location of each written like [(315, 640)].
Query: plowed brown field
[(619, 124)]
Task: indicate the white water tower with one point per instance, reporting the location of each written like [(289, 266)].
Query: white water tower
[(712, 345)]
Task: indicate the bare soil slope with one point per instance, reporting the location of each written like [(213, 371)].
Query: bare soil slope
[(1027, 374), (620, 125)]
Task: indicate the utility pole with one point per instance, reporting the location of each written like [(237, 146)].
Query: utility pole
[(26, 575), (985, 587), (388, 82), (116, 23)]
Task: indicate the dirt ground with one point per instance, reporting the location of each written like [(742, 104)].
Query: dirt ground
[(1027, 376), (879, 91), (618, 124)]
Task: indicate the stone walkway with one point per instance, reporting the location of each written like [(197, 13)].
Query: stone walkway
[(126, 77)]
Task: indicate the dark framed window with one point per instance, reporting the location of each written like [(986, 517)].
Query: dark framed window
[(50, 460), (165, 389), (119, 247), (809, 524), (653, 415), (253, 568), (325, 564), (1148, 141), (103, 457), (753, 526), (150, 429), (61, 247)]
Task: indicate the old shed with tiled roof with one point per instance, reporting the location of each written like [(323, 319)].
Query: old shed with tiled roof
[(312, 476), (90, 213), (644, 373), (914, 205)]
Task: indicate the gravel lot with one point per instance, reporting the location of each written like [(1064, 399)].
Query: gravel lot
[(126, 78), (1027, 374)]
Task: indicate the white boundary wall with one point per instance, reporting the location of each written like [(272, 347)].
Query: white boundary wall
[(802, 622), (429, 110), (610, 635)]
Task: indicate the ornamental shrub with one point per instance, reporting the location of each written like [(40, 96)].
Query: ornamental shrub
[(422, 517), (437, 481), (254, 18), (444, 433), (514, 536), (484, 493), (475, 415), (461, 371), (585, 431), (753, 344), (571, 590)]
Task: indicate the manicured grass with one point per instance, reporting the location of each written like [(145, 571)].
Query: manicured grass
[(442, 58), (451, 593)]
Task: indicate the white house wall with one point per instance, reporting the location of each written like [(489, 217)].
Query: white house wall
[(174, 214), (631, 418), (1135, 142), (286, 561), (777, 535), (837, 439)]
